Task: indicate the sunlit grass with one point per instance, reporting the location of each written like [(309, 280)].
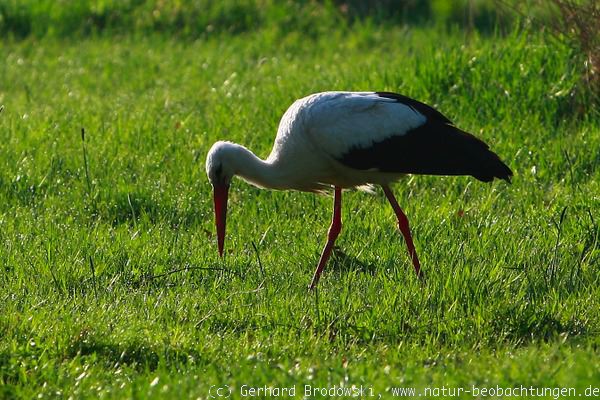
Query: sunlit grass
[(109, 286)]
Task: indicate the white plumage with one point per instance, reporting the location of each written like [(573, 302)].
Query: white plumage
[(313, 133), (350, 139), (338, 121)]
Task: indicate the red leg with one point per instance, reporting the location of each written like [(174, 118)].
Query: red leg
[(404, 228), (334, 231)]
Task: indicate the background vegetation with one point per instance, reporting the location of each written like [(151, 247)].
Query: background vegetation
[(195, 19), (111, 283)]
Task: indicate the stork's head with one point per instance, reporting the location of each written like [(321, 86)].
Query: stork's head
[(219, 170)]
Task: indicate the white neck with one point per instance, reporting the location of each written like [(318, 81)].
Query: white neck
[(252, 169)]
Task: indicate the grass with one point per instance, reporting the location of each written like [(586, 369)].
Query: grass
[(111, 282), (202, 19)]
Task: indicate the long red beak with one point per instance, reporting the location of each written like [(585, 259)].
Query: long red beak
[(220, 197)]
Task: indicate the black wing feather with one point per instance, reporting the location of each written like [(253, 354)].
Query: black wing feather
[(435, 148), (428, 111)]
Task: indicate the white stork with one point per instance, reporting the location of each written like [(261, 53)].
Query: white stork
[(349, 139)]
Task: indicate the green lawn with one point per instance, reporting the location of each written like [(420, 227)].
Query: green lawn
[(111, 284)]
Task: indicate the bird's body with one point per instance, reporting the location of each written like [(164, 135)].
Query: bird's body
[(316, 132), (339, 139), (351, 139)]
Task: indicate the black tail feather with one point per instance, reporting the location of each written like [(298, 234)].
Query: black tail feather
[(492, 168), (435, 148), (484, 164)]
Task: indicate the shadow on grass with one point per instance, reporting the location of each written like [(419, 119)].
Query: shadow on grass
[(135, 354), (21, 190), (343, 263), (134, 207), (530, 325)]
